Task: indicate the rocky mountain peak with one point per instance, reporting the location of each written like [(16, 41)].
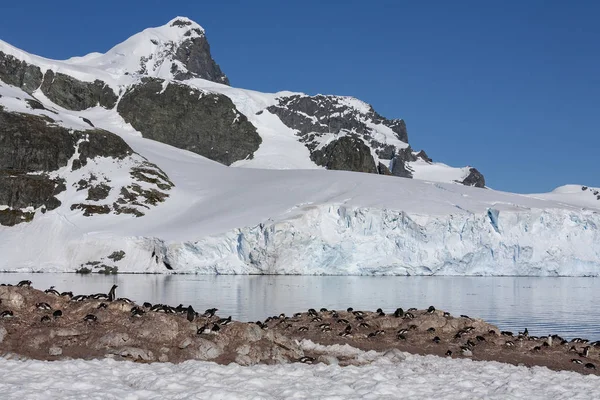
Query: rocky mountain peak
[(177, 50)]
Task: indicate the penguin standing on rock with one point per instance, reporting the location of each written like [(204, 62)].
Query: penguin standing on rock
[(24, 283), (190, 313), (111, 293)]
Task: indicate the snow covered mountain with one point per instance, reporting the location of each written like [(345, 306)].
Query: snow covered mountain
[(164, 82), (122, 162)]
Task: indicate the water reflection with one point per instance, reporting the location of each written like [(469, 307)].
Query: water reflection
[(544, 305)]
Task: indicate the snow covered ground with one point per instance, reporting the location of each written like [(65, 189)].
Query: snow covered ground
[(389, 376)]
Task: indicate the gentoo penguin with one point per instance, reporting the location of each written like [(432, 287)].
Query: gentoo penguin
[(24, 283), (225, 321), (90, 318), (408, 315), (465, 316), (371, 335), (446, 314), (317, 319), (6, 314), (215, 328), (348, 329), (45, 318), (364, 325), (350, 309), (449, 353), (403, 331), (585, 352), (590, 366), (465, 351), (400, 336), (431, 330), (125, 300), (398, 313), (52, 291), (306, 360), (102, 306), (436, 339), (323, 309), (312, 312), (57, 314), (79, 297), (506, 333), (303, 329), (576, 361), (67, 294), (137, 312), (147, 305), (111, 293), (412, 309), (480, 338), (210, 312), (343, 321), (202, 330), (431, 310), (43, 306), (190, 313), (509, 344)]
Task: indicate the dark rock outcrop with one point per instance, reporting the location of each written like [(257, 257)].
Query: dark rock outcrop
[(332, 116), (348, 153), (400, 162), (204, 123), (383, 170), (18, 73), (194, 54), (76, 95), (475, 178), (31, 146)]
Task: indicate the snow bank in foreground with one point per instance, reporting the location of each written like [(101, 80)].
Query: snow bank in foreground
[(416, 377)]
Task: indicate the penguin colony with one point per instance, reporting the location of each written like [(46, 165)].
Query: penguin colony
[(428, 331)]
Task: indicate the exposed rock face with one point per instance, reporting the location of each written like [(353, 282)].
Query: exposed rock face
[(317, 118), (18, 73), (204, 123), (186, 58), (194, 54), (332, 114), (348, 153), (33, 149), (75, 95), (400, 161), (28, 143), (475, 178)]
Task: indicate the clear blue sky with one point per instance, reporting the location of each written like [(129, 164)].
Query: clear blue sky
[(510, 87)]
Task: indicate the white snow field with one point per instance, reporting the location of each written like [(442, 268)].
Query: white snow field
[(285, 215), (393, 375)]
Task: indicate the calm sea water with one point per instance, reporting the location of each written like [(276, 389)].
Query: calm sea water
[(565, 306)]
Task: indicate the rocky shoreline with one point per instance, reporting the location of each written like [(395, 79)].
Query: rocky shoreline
[(47, 325)]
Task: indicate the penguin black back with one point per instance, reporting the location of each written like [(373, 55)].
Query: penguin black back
[(111, 293), (190, 313)]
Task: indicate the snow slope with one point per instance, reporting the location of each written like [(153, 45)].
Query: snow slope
[(387, 376), (235, 220)]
